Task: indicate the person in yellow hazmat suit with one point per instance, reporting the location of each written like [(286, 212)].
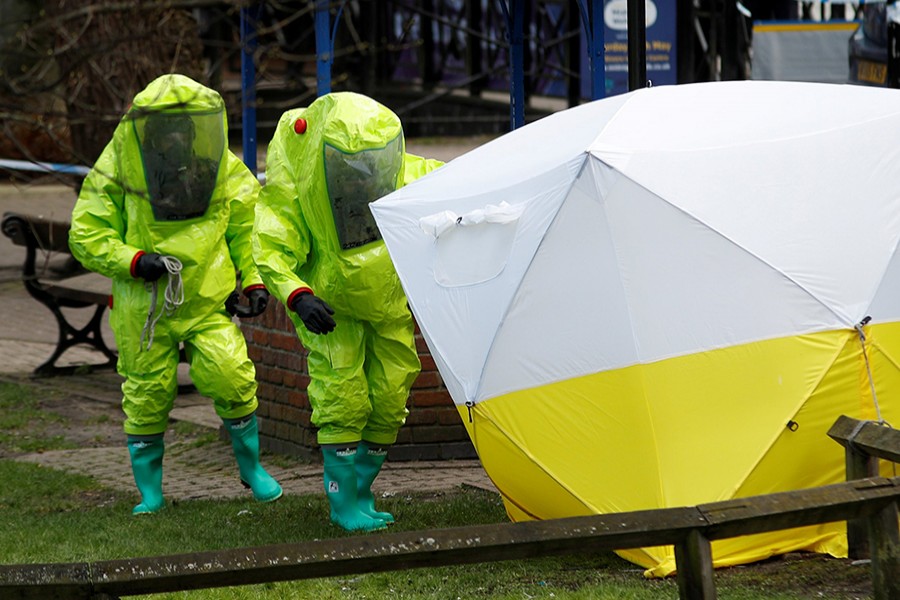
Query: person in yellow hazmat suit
[(167, 213), (320, 253)]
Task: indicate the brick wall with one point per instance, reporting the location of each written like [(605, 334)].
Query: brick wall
[(433, 429)]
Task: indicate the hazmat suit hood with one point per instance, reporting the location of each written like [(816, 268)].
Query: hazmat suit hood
[(350, 150), (167, 183), (314, 228), (180, 132)]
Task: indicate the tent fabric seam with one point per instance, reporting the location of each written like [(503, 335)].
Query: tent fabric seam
[(515, 293), (728, 239), (530, 456), (793, 414)]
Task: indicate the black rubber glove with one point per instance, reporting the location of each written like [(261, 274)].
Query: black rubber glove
[(314, 312), (150, 267), (259, 299)]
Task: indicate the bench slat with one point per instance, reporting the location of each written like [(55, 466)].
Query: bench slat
[(49, 236), (91, 288)]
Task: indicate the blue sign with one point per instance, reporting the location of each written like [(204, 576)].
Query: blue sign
[(661, 55)]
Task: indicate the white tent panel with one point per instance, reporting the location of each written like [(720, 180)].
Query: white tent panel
[(452, 313), (791, 217), (704, 175), (885, 306), (690, 289), (572, 291), (626, 278), (773, 196), (707, 117)]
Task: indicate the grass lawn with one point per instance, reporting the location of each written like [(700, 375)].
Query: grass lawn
[(51, 516)]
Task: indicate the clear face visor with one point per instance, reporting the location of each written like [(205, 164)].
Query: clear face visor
[(355, 180), (181, 153)]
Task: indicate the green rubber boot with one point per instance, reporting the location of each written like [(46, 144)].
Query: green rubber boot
[(369, 459), (146, 453), (244, 434), (340, 488)]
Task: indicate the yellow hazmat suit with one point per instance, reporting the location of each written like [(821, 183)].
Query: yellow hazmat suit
[(315, 238), (167, 188), (363, 370)]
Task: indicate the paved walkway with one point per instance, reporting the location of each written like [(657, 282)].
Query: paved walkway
[(28, 336)]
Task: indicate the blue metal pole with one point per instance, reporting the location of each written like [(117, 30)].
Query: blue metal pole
[(324, 48), (598, 51), (249, 17), (595, 36), (517, 64)]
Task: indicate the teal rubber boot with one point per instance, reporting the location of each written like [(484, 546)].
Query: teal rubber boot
[(340, 489), (369, 459), (146, 453), (245, 443)]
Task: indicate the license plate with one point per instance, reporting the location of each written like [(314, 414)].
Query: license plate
[(871, 71)]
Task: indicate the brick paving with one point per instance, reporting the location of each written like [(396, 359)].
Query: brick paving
[(28, 336)]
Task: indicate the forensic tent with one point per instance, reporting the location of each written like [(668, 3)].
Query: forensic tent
[(666, 298)]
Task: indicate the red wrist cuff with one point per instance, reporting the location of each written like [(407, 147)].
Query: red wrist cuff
[(296, 293), (134, 261)]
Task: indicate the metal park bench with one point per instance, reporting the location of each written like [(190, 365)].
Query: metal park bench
[(69, 287)]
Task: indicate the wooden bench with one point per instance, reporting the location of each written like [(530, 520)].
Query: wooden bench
[(73, 287)]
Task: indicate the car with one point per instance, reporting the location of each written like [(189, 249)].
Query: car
[(868, 46)]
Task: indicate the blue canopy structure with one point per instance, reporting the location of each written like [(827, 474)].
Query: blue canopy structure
[(591, 12)]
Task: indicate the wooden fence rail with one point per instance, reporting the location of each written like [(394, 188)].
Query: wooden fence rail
[(690, 529), (864, 442)]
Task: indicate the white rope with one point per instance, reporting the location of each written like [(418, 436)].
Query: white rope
[(862, 342), (173, 298), (851, 439)]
